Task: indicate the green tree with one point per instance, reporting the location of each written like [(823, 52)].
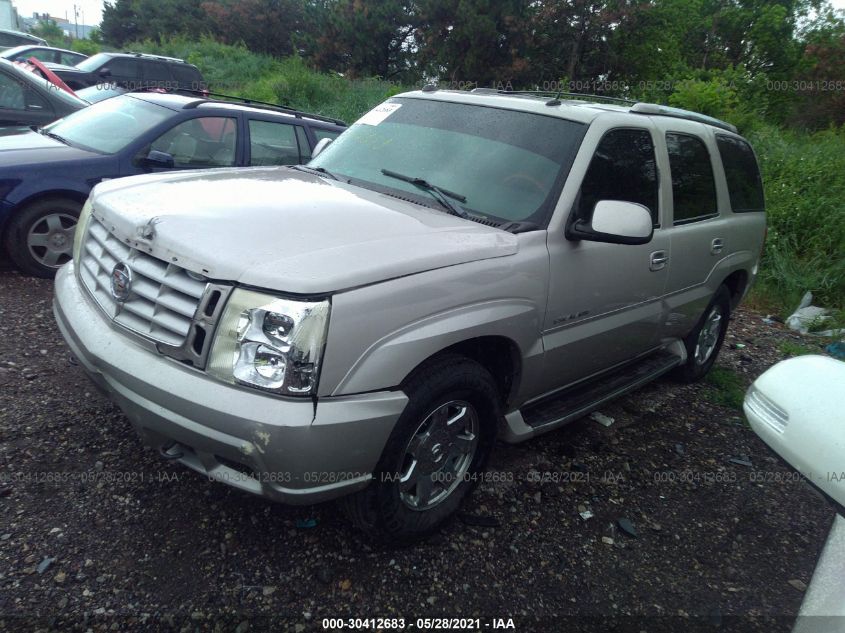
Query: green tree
[(50, 31), (361, 38), (131, 20), (482, 42)]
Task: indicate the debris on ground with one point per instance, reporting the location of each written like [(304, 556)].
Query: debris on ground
[(742, 460), (798, 584), (601, 418), (478, 520), (627, 527), (807, 318)]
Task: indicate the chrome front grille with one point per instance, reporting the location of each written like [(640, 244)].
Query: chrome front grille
[(163, 298)]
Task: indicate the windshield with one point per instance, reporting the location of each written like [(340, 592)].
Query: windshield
[(506, 164), (110, 125), (93, 62), (100, 92)]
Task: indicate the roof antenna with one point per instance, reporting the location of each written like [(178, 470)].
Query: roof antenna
[(555, 101)]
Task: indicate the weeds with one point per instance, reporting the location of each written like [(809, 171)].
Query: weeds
[(727, 388)]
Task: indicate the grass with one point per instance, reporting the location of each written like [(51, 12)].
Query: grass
[(726, 388), (804, 179), (239, 72), (790, 348)]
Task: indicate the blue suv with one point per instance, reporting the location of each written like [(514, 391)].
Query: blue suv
[(46, 176)]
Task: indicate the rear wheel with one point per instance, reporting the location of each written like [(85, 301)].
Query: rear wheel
[(431, 460), (705, 340), (40, 237)]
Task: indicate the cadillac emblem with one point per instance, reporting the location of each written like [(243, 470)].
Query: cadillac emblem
[(121, 282)]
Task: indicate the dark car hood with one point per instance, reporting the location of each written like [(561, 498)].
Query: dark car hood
[(25, 147)]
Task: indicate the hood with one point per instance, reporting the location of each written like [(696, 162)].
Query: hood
[(289, 231), (20, 147)]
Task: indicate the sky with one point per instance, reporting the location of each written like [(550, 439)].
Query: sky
[(93, 8)]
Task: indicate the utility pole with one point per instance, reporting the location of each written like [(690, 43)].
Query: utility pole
[(76, 20)]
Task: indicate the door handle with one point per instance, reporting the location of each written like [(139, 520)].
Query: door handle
[(717, 245), (658, 260)]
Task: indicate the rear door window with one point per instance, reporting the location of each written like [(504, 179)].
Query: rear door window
[(693, 184), (187, 76), (156, 74), (273, 143), (623, 168), (742, 174)]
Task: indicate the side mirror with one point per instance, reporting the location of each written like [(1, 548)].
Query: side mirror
[(105, 72), (159, 159), (615, 222), (321, 145)]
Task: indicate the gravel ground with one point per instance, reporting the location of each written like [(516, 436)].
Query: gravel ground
[(100, 534)]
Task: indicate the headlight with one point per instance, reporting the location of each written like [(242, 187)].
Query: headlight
[(81, 227), (270, 343)]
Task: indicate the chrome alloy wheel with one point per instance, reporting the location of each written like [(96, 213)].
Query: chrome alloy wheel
[(438, 455), (709, 335), (50, 239)]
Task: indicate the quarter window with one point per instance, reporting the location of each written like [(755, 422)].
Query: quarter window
[(273, 144), (693, 185), (742, 174), (623, 168)]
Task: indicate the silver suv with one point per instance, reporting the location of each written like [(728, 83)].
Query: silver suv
[(455, 268)]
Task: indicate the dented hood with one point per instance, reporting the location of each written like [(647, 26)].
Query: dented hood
[(286, 230)]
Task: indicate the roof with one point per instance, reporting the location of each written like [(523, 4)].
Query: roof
[(24, 47), (581, 108), (176, 102)]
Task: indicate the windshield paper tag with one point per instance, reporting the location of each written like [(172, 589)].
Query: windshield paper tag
[(379, 113)]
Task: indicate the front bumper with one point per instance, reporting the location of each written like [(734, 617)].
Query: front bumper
[(285, 449)]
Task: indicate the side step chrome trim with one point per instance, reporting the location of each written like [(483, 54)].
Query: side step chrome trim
[(581, 399)]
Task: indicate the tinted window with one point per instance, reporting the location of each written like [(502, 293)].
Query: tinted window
[(124, 67), (507, 164), (744, 183), (11, 93), (156, 72), (201, 142), (187, 76), (623, 168), (321, 134), (273, 144), (693, 186)]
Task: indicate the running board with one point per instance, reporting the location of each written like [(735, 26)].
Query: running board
[(581, 399)]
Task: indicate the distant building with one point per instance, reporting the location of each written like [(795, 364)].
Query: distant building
[(9, 16), (68, 27)]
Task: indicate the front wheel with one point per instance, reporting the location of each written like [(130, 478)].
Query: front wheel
[(40, 237), (705, 340), (435, 454)]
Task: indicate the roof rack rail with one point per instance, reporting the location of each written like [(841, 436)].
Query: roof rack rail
[(556, 95), (257, 104), (678, 113), (152, 56)]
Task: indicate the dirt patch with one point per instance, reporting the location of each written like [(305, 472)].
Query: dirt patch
[(98, 532)]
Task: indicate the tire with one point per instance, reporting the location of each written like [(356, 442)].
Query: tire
[(704, 342), (438, 391), (40, 236)]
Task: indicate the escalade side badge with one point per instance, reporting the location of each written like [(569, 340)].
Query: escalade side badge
[(121, 282)]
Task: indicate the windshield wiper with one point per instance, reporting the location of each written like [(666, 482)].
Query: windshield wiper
[(438, 193), (61, 139), (319, 170)]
